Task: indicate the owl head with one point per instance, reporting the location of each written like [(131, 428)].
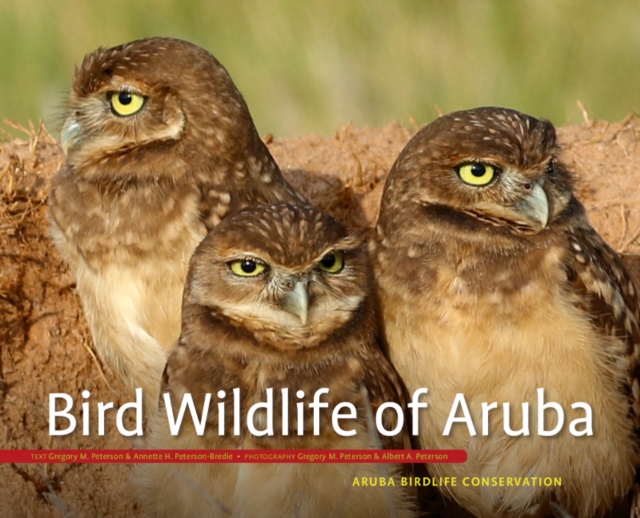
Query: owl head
[(486, 168), (151, 101), (290, 276)]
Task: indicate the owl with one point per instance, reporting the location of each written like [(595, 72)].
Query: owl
[(160, 146), (494, 285), (277, 298)]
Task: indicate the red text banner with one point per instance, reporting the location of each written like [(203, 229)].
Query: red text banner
[(232, 456)]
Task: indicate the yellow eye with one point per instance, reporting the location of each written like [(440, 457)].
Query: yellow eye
[(333, 262), (247, 267), (477, 174), (126, 103)]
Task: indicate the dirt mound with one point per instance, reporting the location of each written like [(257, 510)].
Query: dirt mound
[(45, 346)]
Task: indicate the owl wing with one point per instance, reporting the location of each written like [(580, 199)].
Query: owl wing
[(605, 292), (164, 384), (383, 385)]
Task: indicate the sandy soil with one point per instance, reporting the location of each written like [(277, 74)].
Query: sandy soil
[(45, 346)]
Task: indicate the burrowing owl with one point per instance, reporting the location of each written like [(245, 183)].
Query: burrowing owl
[(160, 147), (277, 297), (493, 285)]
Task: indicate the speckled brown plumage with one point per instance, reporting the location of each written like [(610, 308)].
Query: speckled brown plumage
[(242, 332), (138, 192), (496, 290)]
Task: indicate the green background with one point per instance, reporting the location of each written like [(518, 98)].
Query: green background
[(311, 66)]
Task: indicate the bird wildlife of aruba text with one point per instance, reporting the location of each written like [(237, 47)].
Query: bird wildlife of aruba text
[(262, 412)]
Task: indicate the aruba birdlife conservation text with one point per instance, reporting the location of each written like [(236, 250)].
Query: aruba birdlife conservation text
[(341, 414)]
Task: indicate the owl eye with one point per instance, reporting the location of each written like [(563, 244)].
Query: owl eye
[(477, 174), (247, 267), (126, 103), (333, 262)]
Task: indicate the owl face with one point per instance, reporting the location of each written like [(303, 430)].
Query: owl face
[(491, 165), (290, 275), (144, 100)]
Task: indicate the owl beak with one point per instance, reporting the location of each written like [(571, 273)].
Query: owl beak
[(71, 133), (297, 302), (536, 205)]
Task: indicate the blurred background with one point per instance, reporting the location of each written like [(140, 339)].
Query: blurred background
[(311, 66)]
